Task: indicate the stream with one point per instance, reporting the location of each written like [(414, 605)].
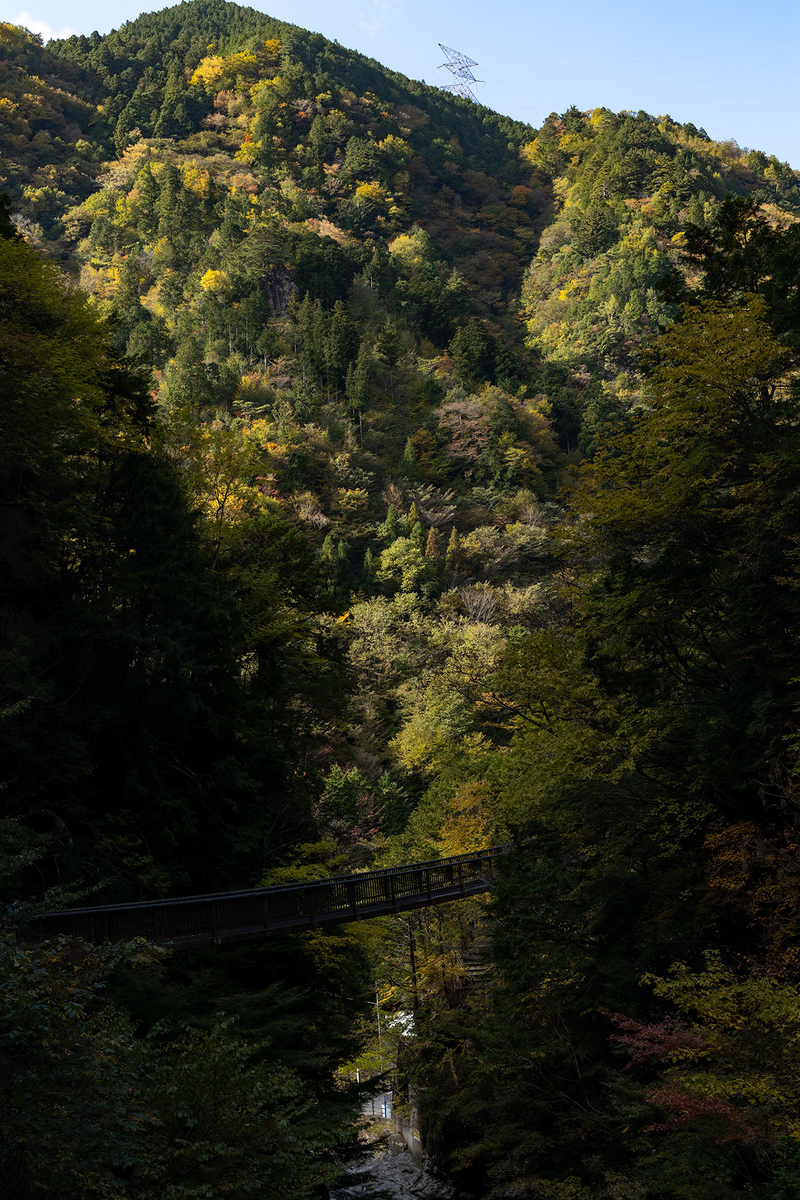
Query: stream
[(387, 1171)]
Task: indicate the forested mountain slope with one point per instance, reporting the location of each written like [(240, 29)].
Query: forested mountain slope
[(397, 478)]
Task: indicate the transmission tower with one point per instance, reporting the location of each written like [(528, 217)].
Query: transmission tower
[(461, 67)]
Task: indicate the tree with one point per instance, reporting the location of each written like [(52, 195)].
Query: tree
[(408, 463), (596, 230), (71, 1113), (388, 344), (651, 773), (453, 554), (7, 229), (473, 353), (357, 384), (433, 547)]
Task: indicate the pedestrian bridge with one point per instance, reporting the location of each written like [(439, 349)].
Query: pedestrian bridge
[(230, 917)]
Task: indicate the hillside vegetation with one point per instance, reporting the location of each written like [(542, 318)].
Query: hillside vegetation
[(382, 478)]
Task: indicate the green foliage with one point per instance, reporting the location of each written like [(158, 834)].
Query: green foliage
[(226, 1122), (89, 1108), (71, 1113), (202, 685)]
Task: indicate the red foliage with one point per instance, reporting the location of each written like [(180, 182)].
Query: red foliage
[(660, 1042), (684, 1108)]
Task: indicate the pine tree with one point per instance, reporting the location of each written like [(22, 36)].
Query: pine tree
[(357, 385), (340, 344), (695, 212), (473, 353), (408, 463), (147, 193), (453, 555), (388, 344), (433, 548), (389, 348), (169, 188), (391, 525)]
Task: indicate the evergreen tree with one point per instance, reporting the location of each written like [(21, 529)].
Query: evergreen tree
[(408, 463), (453, 556), (391, 526), (147, 192), (473, 353), (596, 229), (388, 344), (357, 384), (433, 547)]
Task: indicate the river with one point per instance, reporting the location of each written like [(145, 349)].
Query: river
[(388, 1172)]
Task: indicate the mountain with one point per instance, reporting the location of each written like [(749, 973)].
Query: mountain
[(207, 160), (395, 479)]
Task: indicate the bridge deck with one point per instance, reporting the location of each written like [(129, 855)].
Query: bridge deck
[(230, 917)]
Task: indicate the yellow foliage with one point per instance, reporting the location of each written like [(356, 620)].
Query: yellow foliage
[(214, 281), (573, 143), (271, 48), (351, 500), (151, 301), (17, 35), (370, 193), (408, 248), (465, 827), (529, 150), (248, 151), (209, 70), (263, 84), (242, 63), (197, 181), (397, 147)]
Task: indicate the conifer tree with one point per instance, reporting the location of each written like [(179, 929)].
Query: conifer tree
[(357, 385), (695, 212), (473, 353), (389, 348), (147, 199), (433, 548), (339, 346), (453, 555), (391, 525), (328, 551), (169, 187), (408, 463), (388, 344)]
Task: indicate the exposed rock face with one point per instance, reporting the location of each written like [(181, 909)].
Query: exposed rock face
[(278, 287)]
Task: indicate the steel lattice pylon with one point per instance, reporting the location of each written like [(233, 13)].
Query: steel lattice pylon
[(460, 66)]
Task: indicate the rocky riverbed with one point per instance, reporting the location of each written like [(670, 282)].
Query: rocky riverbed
[(388, 1172)]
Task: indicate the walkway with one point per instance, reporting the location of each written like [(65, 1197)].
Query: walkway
[(231, 917)]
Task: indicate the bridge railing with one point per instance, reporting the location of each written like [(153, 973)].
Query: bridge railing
[(343, 897)]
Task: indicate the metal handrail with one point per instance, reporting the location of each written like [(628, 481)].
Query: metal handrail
[(251, 913)]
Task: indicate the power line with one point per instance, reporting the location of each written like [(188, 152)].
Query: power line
[(608, 81), (588, 62)]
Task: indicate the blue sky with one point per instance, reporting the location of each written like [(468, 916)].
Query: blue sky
[(731, 68)]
